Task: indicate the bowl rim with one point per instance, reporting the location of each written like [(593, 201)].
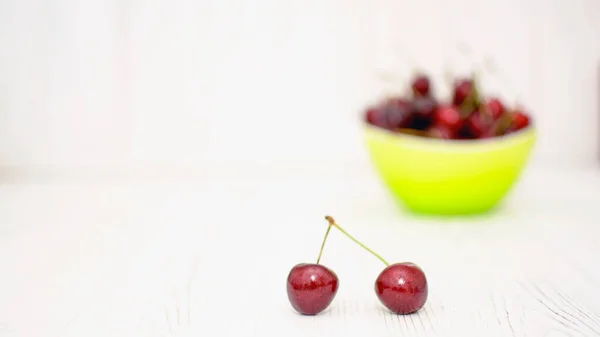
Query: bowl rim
[(452, 142)]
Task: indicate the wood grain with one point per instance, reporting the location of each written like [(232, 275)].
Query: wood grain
[(166, 264)]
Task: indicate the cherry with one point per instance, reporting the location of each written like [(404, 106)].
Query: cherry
[(520, 120), (376, 117), (424, 106), (494, 108), (473, 127), (397, 111), (423, 109), (462, 90), (311, 287), (447, 116), (466, 97), (420, 86), (401, 287)]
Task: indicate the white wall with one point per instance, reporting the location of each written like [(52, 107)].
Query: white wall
[(177, 82)]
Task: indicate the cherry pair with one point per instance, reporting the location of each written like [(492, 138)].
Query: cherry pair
[(311, 287)]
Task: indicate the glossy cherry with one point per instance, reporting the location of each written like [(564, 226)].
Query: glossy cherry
[(447, 116), (494, 108), (401, 287), (462, 90), (519, 120), (311, 287), (421, 85)]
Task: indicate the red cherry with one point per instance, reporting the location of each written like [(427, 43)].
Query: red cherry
[(402, 288), (447, 116), (376, 117), (420, 85), (397, 112), (462, 90), (473, 127), (494, 108), (424, 106), (311, 288), (520, 120), (423, 109)]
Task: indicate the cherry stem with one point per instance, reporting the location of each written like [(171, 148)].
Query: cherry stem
[(323, 244), (333, 224)]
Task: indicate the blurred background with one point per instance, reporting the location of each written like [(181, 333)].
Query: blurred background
[(169, 84), (105, 89)]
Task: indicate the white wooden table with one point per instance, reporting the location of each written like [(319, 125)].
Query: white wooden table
[(209, 256)]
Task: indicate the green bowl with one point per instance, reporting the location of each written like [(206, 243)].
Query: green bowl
[(455, 177)]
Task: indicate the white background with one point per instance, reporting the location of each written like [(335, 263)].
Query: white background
[(176, 83)]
